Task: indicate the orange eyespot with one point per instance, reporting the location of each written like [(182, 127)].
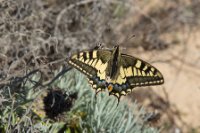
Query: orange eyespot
[(110, 88)]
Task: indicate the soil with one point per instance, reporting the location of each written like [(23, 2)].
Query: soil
[(180, 66)]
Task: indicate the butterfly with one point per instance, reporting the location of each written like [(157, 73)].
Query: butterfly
[(110, 69)]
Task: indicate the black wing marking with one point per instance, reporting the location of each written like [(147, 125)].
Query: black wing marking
[(140, 72), (90, 62)]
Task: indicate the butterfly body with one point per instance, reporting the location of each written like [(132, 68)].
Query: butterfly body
[(117, 72)]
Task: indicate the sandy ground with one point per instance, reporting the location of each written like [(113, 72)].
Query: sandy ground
[(180, 67), (179, 64)]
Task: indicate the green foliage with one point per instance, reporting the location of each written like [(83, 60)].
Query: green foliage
[(103, 114), (89, 113)]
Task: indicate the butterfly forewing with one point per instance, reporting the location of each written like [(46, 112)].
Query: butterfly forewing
[(93, 63), (139, 72), (90, 62)]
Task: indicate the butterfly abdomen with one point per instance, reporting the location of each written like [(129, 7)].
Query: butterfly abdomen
[(114, 64)]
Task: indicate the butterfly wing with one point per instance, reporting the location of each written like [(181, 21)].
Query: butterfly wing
[(93, 63), (135, 72), (140, 73)]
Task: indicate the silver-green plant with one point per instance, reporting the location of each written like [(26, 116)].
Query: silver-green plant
[(90, 113), (101, 111)]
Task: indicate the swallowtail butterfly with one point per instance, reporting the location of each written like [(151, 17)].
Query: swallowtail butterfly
[(117, 72)]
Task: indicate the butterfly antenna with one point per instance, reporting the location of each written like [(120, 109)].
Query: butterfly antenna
[(126, 39)]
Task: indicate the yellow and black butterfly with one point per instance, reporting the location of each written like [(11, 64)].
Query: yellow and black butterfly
[(117, 72)]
